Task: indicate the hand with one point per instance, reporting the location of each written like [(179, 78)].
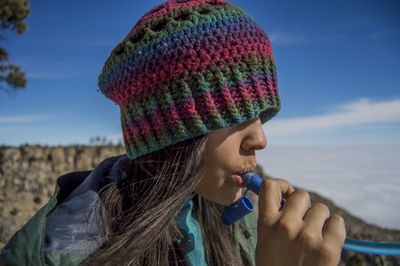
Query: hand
[(296, 234)]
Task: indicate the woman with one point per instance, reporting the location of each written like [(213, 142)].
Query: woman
[(195, 81)]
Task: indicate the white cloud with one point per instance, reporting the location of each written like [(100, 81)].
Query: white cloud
[(280, 38), (21, 119), (360, 112), (362, 179), (53, 75), (384, 33), (86, 42), (299, 38)]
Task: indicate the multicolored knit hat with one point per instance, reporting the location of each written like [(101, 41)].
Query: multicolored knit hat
[(189, 67)]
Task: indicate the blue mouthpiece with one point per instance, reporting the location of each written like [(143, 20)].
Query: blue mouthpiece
[(243, 206), (237, 210), (252, 181)]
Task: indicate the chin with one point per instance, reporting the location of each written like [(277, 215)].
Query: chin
[(226, 197), (233, 197)]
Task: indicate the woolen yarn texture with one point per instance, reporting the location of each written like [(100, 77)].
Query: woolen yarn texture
[(188, 68)]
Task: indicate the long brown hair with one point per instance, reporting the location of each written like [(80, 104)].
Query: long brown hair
[(140, 210)]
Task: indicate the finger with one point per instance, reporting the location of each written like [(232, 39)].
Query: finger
[(334, 230), (314, 221), (297, 204), (270, 196)]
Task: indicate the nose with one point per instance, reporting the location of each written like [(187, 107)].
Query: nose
[(254, 136)]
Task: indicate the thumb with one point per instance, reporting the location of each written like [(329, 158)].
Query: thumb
[(271, 193)]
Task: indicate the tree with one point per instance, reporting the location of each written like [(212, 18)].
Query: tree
[(12, 14)]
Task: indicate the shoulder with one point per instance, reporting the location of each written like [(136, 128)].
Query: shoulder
[(25, 246)]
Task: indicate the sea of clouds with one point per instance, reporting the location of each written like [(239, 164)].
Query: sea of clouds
[(364, 180)]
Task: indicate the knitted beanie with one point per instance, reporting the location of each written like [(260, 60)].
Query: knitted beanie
[(189, 67)]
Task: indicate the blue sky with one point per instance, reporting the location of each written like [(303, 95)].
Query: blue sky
[(337, 61)]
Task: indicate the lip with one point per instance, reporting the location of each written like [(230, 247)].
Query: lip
[(236, 176), (245, 170), (237, 181)]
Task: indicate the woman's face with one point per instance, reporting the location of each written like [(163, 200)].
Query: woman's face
[(228, 152)]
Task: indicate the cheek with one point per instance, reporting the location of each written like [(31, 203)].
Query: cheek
[(217, 186), (211, 181), (223, 159), (220, 161)]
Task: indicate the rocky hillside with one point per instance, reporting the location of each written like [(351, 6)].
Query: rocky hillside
[(28, 175)]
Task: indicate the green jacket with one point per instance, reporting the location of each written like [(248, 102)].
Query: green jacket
[(65, 230)]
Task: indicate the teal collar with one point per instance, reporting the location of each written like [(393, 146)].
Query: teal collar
[(192, 242)]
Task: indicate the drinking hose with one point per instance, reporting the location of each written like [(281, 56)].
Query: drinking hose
[(244, 206)]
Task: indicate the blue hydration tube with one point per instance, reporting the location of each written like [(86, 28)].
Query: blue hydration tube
[(243, 206), (377, 248)]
